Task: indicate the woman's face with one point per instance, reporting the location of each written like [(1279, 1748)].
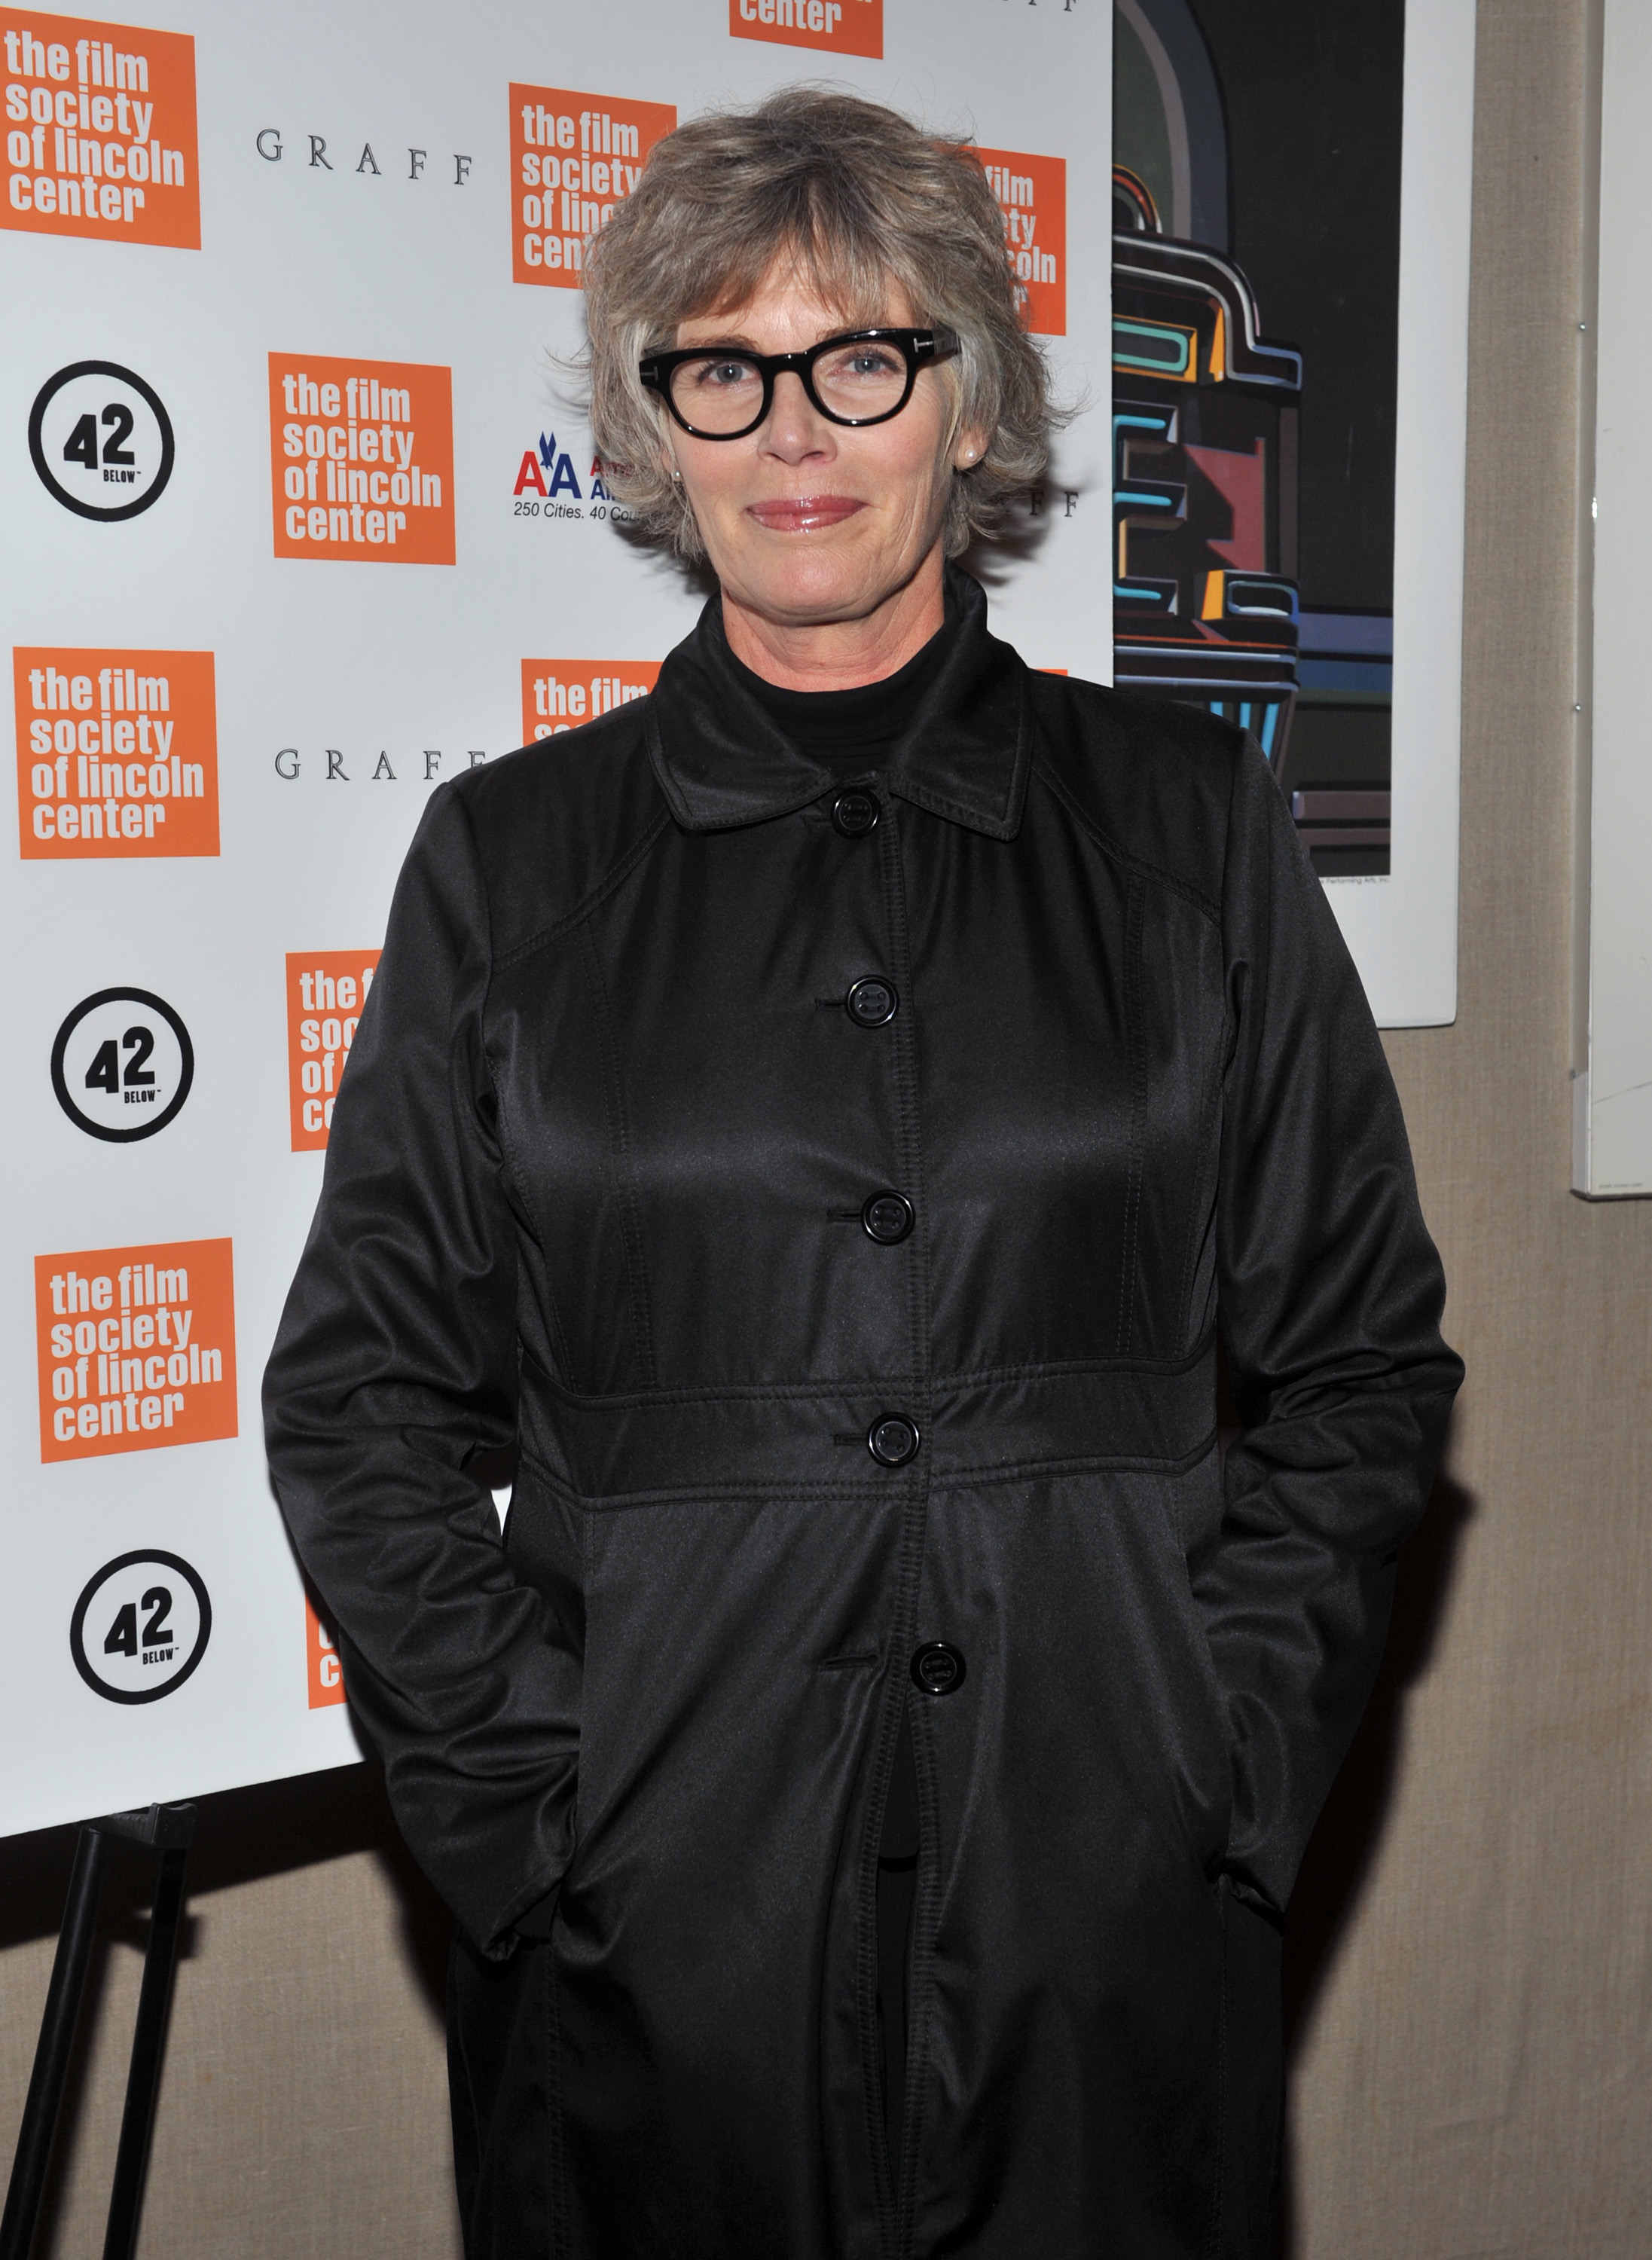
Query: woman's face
[(808, 522)]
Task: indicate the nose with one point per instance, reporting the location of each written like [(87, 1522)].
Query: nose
[(795, 429)]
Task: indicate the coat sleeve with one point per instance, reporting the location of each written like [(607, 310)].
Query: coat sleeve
[(1329, 1298), (395, 1361)]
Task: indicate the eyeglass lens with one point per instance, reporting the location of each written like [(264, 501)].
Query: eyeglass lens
[(724, 391)]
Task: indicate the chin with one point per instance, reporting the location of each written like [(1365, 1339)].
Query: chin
[(818, 607), (803, 596), (822, 579)]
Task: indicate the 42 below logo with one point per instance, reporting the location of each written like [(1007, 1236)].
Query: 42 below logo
[(545, 473)]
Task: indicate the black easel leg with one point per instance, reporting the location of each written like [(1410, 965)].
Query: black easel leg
[(61, 2014), (153, 2002)]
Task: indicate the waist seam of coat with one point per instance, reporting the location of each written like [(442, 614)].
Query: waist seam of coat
[(941, 1482), (941, 1384)]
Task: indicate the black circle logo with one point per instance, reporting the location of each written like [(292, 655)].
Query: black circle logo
[(101, 440), (140, 1627), (122, 1065)]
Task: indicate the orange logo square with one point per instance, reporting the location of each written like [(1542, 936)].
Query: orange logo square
[(325, 992), (574, 157), (100, 131), (1032, 194), (117, 754), (137, 1347), (560, 694), (843, 27), (361, 459), (324, 1674)]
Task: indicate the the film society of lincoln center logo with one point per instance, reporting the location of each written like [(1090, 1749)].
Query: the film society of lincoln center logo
[(136, 1347), (122, 1065), (845, 27), (1032, 194), (322, 1671), (325, 992), (117, 753), (101, 440), (560, 694), (361, 459), (140, 1627), (574, 157), (100, 131)]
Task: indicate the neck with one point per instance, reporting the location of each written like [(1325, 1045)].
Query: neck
[(841, 655)]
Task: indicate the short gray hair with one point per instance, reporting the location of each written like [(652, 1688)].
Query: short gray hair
[(859, 197)]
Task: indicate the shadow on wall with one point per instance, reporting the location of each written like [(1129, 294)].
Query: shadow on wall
[(1344, 1846), (242, 1835)]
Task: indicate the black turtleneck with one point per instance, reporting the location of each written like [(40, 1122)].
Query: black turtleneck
[(851, 731)]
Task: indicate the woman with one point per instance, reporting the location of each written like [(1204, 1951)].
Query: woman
[(821, 1115)]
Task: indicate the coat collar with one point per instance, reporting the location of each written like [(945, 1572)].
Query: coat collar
[(721, 761)]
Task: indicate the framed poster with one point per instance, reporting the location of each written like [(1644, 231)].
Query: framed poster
[(1291, 274)]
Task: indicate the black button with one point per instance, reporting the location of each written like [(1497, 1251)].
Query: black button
[(938, 1668), (892, 1440), (871, 1002), (887, 1217), (854, 813)]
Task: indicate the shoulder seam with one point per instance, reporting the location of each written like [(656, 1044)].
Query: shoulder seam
[(610, 879), (1201, 902)]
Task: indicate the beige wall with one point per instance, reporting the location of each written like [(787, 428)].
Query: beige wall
[(1470, 1980), (1474, 2073)]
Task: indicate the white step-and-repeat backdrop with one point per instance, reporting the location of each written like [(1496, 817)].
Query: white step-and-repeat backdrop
[(299, 522)]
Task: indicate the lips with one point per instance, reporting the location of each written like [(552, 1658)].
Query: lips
[(803, 514)]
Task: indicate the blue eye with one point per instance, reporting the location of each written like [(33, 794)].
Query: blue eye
[(860, 365)]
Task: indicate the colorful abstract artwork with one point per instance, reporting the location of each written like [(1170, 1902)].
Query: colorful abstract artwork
[(1256, 223)]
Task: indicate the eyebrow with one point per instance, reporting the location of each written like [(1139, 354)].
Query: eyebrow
[(729, 343)]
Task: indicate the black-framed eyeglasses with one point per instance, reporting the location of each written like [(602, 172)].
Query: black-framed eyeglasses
[(865, 377)]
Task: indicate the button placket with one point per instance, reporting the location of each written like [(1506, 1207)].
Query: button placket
[(894, 1442)]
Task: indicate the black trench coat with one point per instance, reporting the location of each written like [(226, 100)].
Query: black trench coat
[(601, 1182)]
